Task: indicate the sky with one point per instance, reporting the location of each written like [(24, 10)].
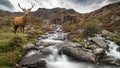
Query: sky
[(81, 6)]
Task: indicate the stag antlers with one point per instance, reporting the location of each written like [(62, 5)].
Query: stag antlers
[(28, 8), (32, 6)]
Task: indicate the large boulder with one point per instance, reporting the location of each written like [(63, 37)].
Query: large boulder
[(33, 61), (99, 42), (79, 54)]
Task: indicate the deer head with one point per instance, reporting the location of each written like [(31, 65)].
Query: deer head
[(26, 11)]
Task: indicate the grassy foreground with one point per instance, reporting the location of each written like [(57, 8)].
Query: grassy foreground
[(11, 45)]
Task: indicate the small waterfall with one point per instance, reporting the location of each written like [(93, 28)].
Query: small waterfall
[(62, 61), (112, 50)]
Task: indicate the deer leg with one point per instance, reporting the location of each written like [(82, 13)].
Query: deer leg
[(15, 28), (22, 29)]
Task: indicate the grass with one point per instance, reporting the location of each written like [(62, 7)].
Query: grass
[(11, 47), (11, 44)]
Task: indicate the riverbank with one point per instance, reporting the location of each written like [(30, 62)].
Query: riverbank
[(54, 50)]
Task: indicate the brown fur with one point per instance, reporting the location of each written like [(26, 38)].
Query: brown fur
[(21, 20)]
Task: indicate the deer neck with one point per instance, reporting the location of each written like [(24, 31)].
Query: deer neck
[(24, 18)]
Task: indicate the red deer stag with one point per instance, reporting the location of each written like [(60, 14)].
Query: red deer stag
[(21, 20)]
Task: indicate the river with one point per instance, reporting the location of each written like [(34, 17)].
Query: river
[(55, 60)]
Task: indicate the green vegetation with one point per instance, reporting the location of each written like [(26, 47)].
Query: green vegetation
[(11, 45), (116, 39), (90, 28), (69, 27)]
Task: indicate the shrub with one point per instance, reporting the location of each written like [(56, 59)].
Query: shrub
[(90, 28)]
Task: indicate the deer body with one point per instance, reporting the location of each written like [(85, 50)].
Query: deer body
[(21, 20)]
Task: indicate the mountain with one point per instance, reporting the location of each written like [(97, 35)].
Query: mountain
[(52, 13)]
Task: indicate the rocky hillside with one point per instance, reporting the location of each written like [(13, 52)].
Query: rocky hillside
[(108, 17)]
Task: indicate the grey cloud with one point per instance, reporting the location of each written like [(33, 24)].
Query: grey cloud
[(88, 2), (114, 1), (6, 3)]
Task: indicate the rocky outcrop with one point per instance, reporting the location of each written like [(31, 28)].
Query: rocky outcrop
[(56, 20), (66, 18), (70, 18)]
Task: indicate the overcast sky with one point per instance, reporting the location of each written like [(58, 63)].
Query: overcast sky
[(82, 6)]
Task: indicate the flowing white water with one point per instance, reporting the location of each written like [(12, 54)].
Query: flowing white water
[(54, 60), (62, 61), (32, 52), (112, 51)]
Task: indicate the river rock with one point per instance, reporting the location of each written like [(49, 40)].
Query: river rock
[(71, 44), (29, 46), (75, 50), (105, 32), (45, 44), (33, 61), (45, 51), (41, 43), (111, 61), (44, 36), (98, 50), (38, 43), (99, 42), (79, 54), (118, 49)]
